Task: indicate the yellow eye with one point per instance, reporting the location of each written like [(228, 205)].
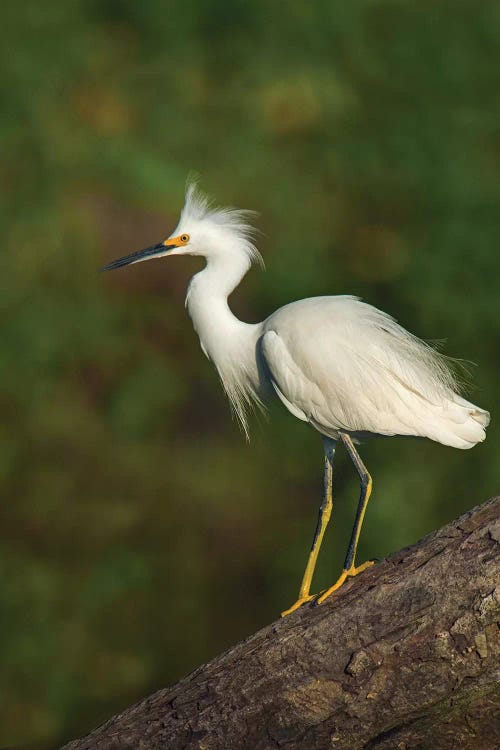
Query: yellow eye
[(184, 238)]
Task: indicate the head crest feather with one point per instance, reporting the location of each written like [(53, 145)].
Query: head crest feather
[(199, 207)]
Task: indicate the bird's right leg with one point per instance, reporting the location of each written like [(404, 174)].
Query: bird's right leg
[(350, 569), (325, 512)]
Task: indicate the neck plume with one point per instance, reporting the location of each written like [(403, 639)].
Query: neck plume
[(227, 341)]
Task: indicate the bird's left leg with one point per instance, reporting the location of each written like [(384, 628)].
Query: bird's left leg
[(325, 512), (365, 479)]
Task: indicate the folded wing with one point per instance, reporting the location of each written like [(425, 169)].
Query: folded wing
[(343, 365)]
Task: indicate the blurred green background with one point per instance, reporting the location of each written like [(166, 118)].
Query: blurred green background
[(139, 534)]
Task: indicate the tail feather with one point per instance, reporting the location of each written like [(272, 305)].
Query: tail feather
[(480, 415), (463, 424)]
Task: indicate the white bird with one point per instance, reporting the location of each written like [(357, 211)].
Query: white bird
[(341, 365)]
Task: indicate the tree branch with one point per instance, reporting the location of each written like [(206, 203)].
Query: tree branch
[(404, 656)]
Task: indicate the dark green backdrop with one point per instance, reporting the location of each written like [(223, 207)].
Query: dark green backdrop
[(139, 534)]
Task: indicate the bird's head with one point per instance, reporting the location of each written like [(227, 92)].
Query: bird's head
[(214, 233)]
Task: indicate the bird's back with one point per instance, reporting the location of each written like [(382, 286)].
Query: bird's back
[(343, 365)]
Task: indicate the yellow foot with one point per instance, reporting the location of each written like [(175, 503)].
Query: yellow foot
[(300, 601), (342, 578)]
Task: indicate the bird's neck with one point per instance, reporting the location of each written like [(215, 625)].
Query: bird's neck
[(222, 335), (229, 343)]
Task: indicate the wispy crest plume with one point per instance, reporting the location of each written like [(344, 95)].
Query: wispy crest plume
[(199, 207)]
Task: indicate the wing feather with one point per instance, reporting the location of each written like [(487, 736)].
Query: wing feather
[(344, 365)]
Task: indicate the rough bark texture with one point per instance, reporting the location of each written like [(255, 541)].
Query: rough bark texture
[(406, 656)]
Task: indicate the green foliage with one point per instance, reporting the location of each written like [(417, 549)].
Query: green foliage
[(140, 535)]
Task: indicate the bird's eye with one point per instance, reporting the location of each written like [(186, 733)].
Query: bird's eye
[(184, 237)]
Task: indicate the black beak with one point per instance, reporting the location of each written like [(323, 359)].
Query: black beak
[(149, 252)]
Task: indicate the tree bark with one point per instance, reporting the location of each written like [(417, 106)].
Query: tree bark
[(404, 657)]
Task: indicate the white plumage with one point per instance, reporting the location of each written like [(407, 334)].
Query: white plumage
[(341, 365)]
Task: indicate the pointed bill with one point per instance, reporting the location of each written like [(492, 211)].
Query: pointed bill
[(158, 250)]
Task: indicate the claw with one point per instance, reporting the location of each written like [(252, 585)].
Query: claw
[(302, 600), (342, 578)]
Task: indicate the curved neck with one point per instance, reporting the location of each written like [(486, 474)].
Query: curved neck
[(228, 342), (206, 301), (220, 276)]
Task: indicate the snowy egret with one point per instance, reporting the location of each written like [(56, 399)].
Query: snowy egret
[(341, 365)]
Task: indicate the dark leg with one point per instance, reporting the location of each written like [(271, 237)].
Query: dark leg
[(366, 488), (325, 511)]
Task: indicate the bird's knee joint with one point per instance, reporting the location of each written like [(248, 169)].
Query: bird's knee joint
[(366, 481)]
